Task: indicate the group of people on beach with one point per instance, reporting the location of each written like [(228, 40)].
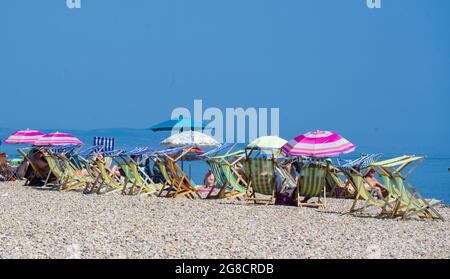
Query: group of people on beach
[(37, 158), (370, 181)]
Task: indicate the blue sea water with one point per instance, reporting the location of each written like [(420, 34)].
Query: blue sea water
[(431, 178)]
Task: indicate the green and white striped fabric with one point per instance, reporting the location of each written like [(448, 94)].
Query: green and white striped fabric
[(261, 173), (223, 174), (231, 178), (313, 181), (215, 168)]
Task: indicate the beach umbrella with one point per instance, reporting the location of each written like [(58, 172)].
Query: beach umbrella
[(318, 144), (192, 153), (179, 124), (190, 138), (57, 139), (194, 139), (269, 142), (24, 137)]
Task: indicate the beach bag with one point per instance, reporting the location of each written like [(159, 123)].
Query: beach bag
[(284, 199)]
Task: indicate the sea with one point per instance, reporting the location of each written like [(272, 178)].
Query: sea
[(431, 178)]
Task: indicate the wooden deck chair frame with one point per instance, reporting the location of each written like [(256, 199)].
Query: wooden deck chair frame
[(36, 172), (391, 170), (333, 179), (75, 180), (94, 174), (57, 171), (387, 205), (223, 170), (317, 164), (137, 177), (165, 173), (64, 172), (109, 182), (181, 185)]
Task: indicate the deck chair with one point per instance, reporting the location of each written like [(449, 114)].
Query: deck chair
[(312, 183), (140, 182), (229, 181), (181, 185), (57, 171), (6, 171), (410, 201), (261, 175), (161, 164), (76, 180), (94, 175), (36, 174), (288, 182), (337, 186), (108, 183), (361, 164), (387, 205)]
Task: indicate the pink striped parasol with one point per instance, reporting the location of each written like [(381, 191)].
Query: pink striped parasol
[(57, 138), (318, 144), (24, 137)]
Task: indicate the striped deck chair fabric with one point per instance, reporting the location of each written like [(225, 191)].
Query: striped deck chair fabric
[(141, 180), (229, 182), (57, 170), (73, 174), (217, 172), (230, 176), (361, 164), (261, 173), (387, 205), (367, 196), (109, 184), (410, 201), (220, 180), (312, 181), (107, 144)]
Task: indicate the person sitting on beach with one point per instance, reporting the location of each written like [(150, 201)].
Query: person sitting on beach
[(209, 179), (39, 161), (115, 170), (155, 172), (371, 182)]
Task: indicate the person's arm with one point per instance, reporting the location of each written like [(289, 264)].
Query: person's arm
[(378, 184)]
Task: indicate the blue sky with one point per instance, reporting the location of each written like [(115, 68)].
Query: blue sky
[(374, 75)]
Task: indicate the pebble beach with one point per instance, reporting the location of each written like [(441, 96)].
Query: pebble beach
[(49, 224)]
